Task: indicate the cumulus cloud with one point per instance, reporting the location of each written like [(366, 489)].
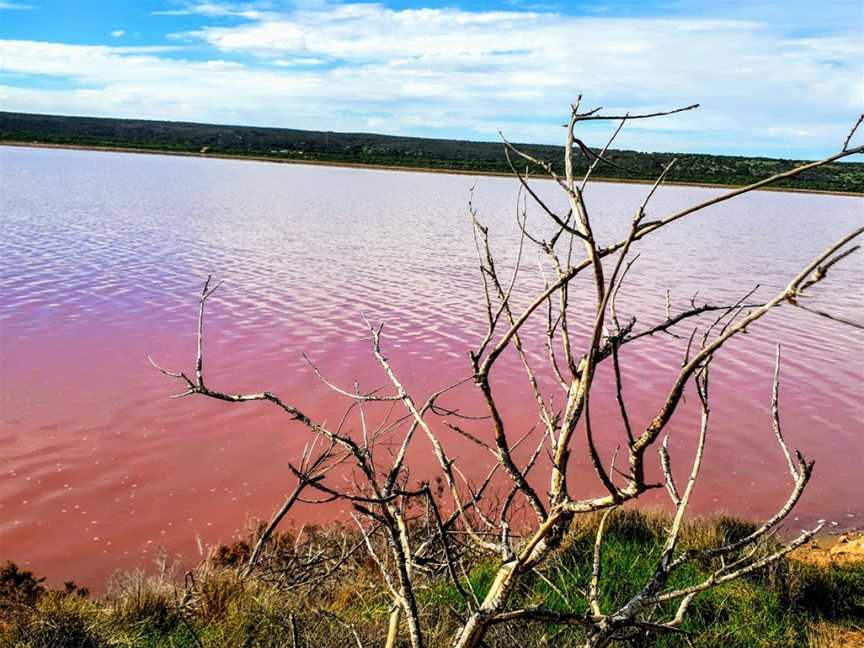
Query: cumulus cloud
[(118, 33), (360, 66)]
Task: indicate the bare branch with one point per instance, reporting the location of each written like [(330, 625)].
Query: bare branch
[(852, 132), (594, 585), (667, 472), (775, 416), (592, 116), (718, 578)]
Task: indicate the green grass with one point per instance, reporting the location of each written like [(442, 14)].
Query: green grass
[(778, 607)]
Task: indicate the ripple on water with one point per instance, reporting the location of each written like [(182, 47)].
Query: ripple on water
[(102, 256)]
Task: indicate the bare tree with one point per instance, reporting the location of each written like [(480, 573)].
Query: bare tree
[(483, 518)]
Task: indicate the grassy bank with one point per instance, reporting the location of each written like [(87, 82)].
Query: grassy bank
[(336, 600)]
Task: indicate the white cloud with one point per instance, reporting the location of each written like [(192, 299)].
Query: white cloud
[(291, 62), (15, 5), (213, 10), (118, 33), (351, 66), (136, 82)]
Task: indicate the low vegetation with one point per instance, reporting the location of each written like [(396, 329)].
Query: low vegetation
[(791, 603), (424, 153)]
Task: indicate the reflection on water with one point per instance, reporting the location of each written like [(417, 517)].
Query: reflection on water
[(102, 256)]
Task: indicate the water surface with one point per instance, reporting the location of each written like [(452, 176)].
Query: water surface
[(102, 256)]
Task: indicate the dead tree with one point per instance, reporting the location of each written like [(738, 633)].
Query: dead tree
[(483, 517)]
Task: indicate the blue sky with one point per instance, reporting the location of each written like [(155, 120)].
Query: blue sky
[(783, 79)]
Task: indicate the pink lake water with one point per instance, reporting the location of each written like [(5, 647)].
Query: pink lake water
[(102, 256)]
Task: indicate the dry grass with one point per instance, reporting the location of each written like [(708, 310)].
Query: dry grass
[(214, 606)]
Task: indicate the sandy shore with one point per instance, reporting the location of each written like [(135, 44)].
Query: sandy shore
[(833, 548)]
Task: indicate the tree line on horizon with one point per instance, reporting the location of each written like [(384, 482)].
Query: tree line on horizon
[(388, 150)]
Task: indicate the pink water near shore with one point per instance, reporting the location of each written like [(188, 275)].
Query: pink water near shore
[(102, 256)]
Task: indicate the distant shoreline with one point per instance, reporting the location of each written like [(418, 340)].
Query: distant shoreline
[(387, 167)]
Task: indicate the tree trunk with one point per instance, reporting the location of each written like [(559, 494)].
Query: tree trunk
[(475, 627), (393, 626)]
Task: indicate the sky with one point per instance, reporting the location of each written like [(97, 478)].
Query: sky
[(774, 78)]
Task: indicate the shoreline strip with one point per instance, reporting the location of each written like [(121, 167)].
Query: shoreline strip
[(404, 169)]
